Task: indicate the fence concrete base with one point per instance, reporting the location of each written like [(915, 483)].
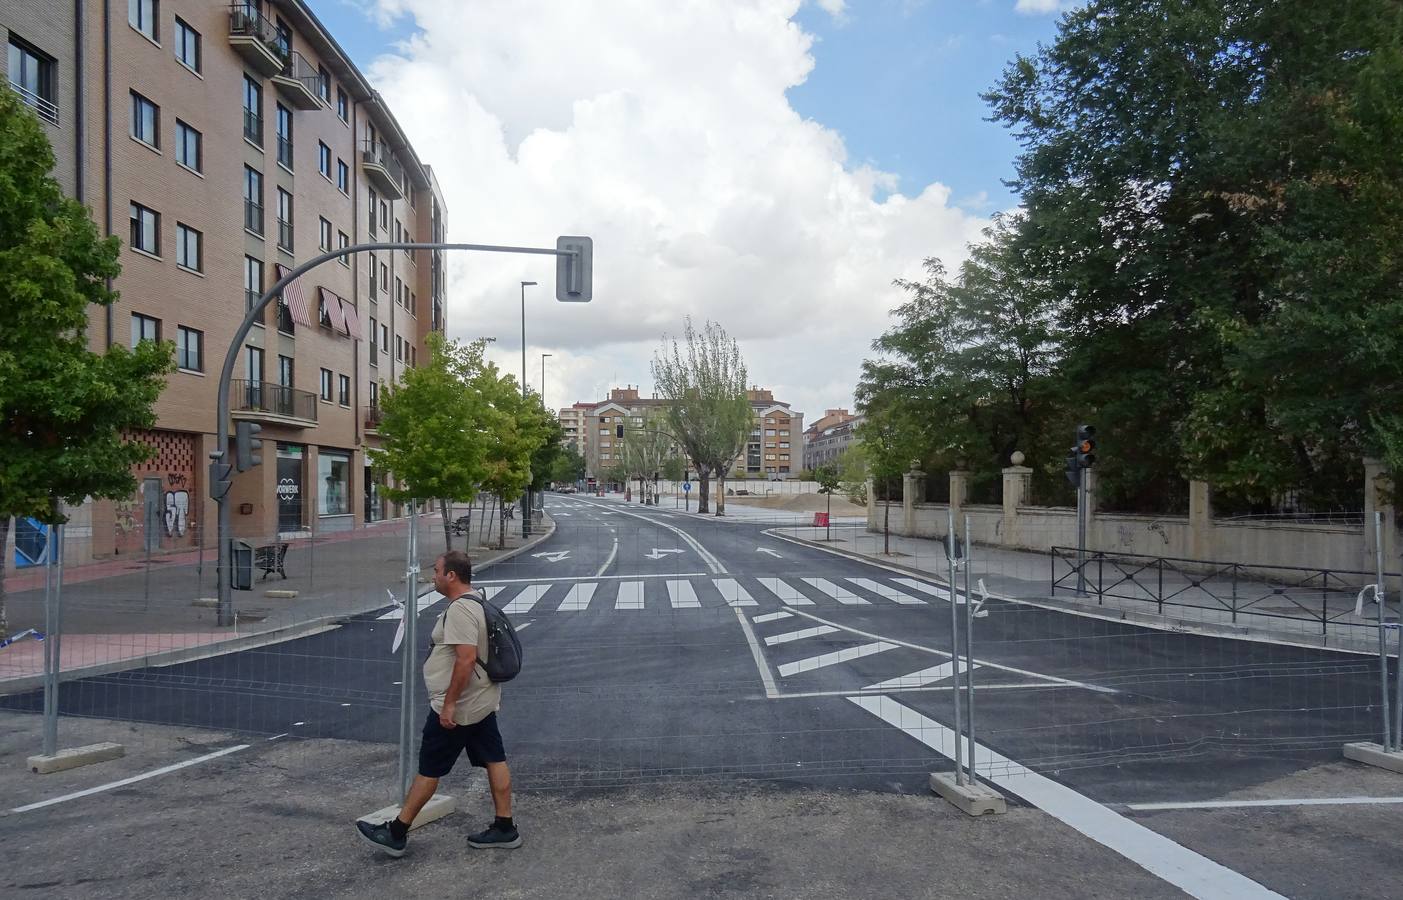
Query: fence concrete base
[(439, 805), (971, 797), (1374, 755), (74, 757)]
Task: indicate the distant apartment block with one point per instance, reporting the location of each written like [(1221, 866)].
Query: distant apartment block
[(829, 437)]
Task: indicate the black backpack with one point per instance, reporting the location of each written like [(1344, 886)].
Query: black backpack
[(503, 647)]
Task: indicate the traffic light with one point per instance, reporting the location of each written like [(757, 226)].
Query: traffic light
[(1072, 471), (1086, 446), (245, 434), (219, 473), (619, 431)]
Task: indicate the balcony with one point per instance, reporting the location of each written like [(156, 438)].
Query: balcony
[(382, 170), (46, 109), (253, 217), (373, 418), (253, 127), (285, 152), (264, 402), (300, 82), (255, 39), (285, 235)]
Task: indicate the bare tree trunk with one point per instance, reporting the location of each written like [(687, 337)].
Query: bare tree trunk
[(447, 529), (4, 548), (721, 493), (704, 476), (502, 535)]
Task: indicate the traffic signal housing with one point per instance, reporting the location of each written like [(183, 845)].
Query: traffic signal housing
[(1086, 446), (245, 437)]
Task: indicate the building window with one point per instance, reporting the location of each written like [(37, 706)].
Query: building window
[(324, 160), (32, 77), (784, 432), (323, 314), (413, 355), (343, 105), (253, 111), (326, 385), (372, 203), (384, 277), (374, 340), (324, 85), (253, 281), (384, 338), (189, 147), (253, 200), (399, 290), (385, 216), (343, 240), (188, 247), (146, 121), (145, 229), (142, 14), (399, 348), (374, 394), (187, 45), (323, 233), (284, 220), (145, 328), (373, 283), (285, 371), (333, 483), (784, 445), (603, 432), (284, 126), (413, 303), (343, 177), (769, 432), (282, 35), (343, 389), (253, 364), (189, 349)]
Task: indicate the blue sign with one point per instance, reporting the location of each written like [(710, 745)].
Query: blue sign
[(686, 487)]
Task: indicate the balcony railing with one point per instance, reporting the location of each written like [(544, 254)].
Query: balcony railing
[(256, 39), (285, 235), (300, 82), (382, 168), (373, 417), (253, 127), (285, 151), (273, 399), (46, 109), (253, 217), (285, 323)]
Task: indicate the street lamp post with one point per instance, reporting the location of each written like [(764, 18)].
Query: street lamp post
[(526, 495)]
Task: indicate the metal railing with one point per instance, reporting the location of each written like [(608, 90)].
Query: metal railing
[(253, 217), (275, 399), (285, 151), (373, 417), (374, 153), (285, 234), (285, 323), (247, 21), (47, 109), (1299, 593), (298, 68), (253, 127)]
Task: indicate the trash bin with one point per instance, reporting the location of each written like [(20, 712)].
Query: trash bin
[(243, 566), (820, 520)]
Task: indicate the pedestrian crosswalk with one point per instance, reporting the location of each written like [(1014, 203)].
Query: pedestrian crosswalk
[(698, 592)]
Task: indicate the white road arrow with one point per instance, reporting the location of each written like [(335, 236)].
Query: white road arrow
[(659, 554), (554, 556), (769, 551), (399, 632)]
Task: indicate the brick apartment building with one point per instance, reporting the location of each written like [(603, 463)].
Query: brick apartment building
[(572, 422), (221, 144), (771, 452), (829, 437)]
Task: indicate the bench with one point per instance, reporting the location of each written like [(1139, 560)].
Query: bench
[(269, 559)]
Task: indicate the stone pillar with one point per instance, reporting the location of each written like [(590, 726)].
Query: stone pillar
[(1018, 482), (1201, 544), (1377, 485), (913, 491)]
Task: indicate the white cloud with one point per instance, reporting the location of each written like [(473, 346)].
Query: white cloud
[(1042, 7), (663, 131), (835, 8)]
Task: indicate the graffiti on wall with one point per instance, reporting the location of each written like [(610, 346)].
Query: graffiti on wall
[(162, 513)]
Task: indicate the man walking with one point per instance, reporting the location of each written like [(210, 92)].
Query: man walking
[(462, 717)]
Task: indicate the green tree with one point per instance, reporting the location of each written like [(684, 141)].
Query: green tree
[(63, 408), (852, 468), (889, 445), (709, 409), (829, 480), (516, 427), (434, 443), (568, 466)]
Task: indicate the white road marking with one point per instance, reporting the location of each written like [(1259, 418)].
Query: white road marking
[(761, 666), (1248, 804), (529, 597), (834, 658), (164, 770), (733, 593), (682, 595), (841, 594), (524, 625), (786, 593), (919, 679), (577, 578), (885, 590), (577, 599), (798, 635), (630, 595), (941, 592), (276, 736), (928, 689), (610, 561), (711, 561), (771, 617), (1191, 872)]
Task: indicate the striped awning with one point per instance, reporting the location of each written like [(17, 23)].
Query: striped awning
[(353, 327), (296, 300), (334, 312)]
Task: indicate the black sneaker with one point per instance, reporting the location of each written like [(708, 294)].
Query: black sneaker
[(380, 836), (496, 838)]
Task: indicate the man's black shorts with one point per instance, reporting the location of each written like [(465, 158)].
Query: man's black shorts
[(439, 750)]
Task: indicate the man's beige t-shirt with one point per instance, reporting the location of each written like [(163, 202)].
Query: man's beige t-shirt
[(462, 623)]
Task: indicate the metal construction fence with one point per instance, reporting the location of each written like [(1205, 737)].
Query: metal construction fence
[(662, 646)]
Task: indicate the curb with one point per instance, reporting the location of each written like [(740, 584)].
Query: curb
[(26, 683), (1116, 614)]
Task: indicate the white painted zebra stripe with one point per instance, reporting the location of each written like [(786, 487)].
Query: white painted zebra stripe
[(798, 635), (834, 658), (529, 597), (630, 595), (885, 590), (733, 593), (682, 595), (578, 598), (1194, 874), (772, 617), (918, 679), (841, 594), (786, 593), (942, 593)]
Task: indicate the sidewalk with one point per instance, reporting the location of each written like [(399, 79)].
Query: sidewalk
[(125, 619), (1275, 612)]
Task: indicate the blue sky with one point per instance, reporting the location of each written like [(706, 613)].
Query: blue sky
[(899, 80)]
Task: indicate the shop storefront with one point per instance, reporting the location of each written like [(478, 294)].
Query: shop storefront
[(333, 489), (291, 466)]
